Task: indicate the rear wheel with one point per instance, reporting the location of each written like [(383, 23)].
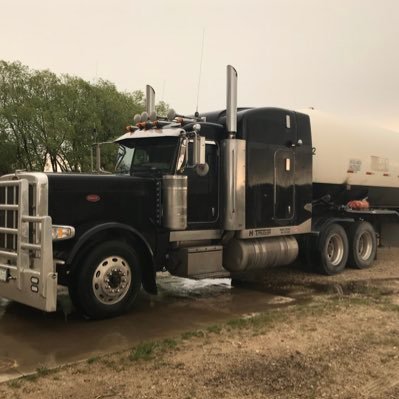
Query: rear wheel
[(362, 245), (108, 281), (333, 250)]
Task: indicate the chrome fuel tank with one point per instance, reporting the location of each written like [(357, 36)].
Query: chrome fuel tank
[(259, 253), (174, 199)]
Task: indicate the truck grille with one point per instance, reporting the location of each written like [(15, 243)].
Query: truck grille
[(9, 216), (10, 213)]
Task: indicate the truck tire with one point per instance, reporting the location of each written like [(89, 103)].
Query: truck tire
[(362, 245), (333, 250), (107, 282)]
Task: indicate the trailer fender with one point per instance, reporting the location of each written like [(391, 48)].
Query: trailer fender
[(319, 225), (115, 229)]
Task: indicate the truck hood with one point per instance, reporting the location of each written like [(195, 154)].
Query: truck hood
[(83, 199)]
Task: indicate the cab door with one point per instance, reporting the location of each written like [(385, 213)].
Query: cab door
[(271, 172), (284, 184), (203, 191), (292, 169)]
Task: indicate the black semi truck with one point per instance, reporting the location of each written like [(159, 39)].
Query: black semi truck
[(220, 194)]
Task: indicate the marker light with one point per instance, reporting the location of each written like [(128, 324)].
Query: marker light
[(153, 116), (131, 129), (59, 233), (171, 114), (144, 117)]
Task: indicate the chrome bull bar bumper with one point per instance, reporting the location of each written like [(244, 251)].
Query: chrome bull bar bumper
[(27, 268)]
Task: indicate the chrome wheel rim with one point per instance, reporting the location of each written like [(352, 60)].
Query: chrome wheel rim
[(335, 249), (111, 280), (365, 246)]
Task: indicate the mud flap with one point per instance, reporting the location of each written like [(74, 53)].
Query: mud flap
[(390, 234)]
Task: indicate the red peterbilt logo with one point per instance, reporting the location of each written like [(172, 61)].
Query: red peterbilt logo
[(93, 198)]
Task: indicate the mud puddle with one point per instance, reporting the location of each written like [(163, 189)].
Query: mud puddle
[(30, 339)]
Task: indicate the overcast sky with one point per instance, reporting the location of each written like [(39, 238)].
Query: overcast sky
[(339, 56)]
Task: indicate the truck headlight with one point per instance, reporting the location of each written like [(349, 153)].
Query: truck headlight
[(59, 233)]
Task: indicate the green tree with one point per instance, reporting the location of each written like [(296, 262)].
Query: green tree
[(49, 120)]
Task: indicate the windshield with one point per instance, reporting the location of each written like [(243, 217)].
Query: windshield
[(149, 155)]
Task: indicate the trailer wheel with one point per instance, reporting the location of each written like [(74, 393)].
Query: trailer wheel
[(333, 250), (362, 245), (108, 281)]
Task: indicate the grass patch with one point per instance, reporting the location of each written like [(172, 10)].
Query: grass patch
[(92, 360), (169, 344), (193, 334), (238, 323), (42, 371), (30, 377), (148, 350), (116, 365), (390, 339), (109, 363), (214, 329), (371, 291), (258, 321), (144, 351), (390, 307), (17, 383)]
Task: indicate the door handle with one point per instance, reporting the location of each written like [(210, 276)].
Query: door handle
[(297, 144)]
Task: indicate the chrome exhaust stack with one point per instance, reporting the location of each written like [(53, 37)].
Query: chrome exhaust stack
[(149, 99), (231, 102), (233, 158)]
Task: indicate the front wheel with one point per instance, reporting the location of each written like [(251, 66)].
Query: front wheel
[(108, 281)]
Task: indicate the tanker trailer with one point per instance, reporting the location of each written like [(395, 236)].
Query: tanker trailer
[(355, 192)]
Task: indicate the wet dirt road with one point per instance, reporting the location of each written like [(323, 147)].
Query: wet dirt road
[(30, 339)]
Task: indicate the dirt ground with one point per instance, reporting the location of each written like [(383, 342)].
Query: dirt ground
[(340, 340)]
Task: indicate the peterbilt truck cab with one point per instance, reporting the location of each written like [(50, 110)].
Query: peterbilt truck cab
[(210, 195)]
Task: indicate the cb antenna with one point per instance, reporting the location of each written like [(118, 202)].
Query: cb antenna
[(200, 71)]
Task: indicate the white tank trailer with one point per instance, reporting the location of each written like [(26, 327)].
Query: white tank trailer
[(354, 154), (355, 192)]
